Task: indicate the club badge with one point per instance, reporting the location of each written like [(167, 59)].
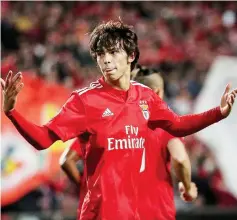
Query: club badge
[(144, 107)]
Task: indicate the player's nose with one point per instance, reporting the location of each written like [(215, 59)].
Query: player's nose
[(107, 58)]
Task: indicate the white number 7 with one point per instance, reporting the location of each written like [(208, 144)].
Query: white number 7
[(143, 162)]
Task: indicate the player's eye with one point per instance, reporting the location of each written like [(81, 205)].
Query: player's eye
[(113, 52), (99, 54)]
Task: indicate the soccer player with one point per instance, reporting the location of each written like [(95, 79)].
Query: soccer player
[(117, 114), (164, 149)]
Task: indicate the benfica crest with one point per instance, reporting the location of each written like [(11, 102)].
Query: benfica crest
[(144, 106)]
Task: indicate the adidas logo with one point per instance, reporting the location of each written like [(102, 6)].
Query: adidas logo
[(107, 112)]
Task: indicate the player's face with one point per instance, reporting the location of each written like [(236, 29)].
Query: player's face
[(114, 63)]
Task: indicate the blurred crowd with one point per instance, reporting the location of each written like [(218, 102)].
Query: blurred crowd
[(208, 177), (181, 39)]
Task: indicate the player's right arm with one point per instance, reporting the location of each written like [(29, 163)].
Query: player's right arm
[(182, 168), (62, 126), (68, 162)]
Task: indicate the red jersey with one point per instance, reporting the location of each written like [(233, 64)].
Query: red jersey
[(117, 122), (156, 189)]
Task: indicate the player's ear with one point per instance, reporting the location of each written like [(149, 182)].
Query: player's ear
[(131, 57), (159, 92), (156, 90)]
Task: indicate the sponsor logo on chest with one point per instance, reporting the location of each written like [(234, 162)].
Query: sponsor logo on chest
[(131, 141)]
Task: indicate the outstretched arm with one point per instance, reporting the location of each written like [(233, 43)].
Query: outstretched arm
[(38, 136), (62, 126), (179, 126)]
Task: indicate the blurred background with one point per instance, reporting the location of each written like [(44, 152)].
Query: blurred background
[(192, 44)]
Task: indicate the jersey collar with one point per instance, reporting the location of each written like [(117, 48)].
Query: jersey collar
[(121, 94)]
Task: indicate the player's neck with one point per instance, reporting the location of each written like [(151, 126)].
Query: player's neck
[(123, 83)]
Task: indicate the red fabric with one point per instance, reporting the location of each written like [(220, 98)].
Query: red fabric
[(38, 136), (63, 124), (180, 126), (76, 147), (156, 189)]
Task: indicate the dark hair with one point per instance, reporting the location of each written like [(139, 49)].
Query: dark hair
[(145, 71), (112, 33)]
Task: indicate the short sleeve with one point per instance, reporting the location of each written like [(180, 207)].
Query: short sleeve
[(168, 137), (71, 119), (161, 116), (76, 146), (80, 143)]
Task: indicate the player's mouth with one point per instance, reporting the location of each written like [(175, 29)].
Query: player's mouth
[(108, 71)]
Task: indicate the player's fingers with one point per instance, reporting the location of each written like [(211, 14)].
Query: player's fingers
[(226, 96), (227, 88), (2, 84), (16, 76), (234, 94), (14, 83), (16, 90), (230, 103), (235, 91), (8, 78), (228, 99), (19, 88), (231, 98)]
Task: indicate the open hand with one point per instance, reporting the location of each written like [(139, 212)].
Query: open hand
[(10, 89), (227, 100)]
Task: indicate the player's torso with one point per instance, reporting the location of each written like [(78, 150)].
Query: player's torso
[(115, 158)]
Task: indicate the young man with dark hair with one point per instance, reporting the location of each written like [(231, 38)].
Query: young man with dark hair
[(163, 149), (117, 114)]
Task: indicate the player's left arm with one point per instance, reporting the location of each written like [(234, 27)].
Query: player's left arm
[(182, 168), (179, 126)]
